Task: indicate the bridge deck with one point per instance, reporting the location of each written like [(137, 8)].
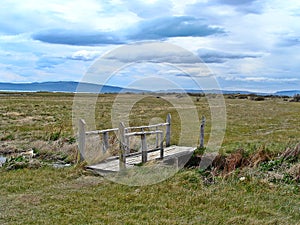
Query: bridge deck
[(112, 164)]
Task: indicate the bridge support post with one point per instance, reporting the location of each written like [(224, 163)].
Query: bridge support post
[(161, 145), (168, 130), (202, 132), (122, 152), (81, 140), (144, 148), (105, 142)]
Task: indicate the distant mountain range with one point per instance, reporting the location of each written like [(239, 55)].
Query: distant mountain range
[(64, 86), (288, 93), (72, 86)]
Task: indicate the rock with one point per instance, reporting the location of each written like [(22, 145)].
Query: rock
[(59, 165), (2, 160), (28, 154)]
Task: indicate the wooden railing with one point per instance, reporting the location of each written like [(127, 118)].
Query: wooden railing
[(124, 134)]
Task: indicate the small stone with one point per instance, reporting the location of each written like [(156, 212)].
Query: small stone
[(242, 178)]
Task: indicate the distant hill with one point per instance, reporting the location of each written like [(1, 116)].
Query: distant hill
[(64, 86), (288, 93)]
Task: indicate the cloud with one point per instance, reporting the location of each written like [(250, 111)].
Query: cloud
[(155, 52), (152, 29), (236, 2), (289, 42), (77, 37), (215, 56), (84, 55), (149, 10), (245, 6), (49, 62), (261, 79), (176, 26), (8, 74)]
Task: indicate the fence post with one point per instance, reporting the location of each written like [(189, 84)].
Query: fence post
[(202, 132), (105, 142), (122, 154), (81, 140), (144, 148), (168, 130)]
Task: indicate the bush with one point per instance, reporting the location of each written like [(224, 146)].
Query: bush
[(259, 98), (296, 98)]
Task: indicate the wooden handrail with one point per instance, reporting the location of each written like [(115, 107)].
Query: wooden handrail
[(123, 136), (141, 133)]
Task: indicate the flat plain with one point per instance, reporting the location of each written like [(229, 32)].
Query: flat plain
[(37, 194)]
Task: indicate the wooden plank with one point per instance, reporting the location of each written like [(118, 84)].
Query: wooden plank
[(148, 126), (142, 132), (131, 161), (101, 131)]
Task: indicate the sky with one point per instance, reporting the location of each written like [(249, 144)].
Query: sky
[(245, 44)]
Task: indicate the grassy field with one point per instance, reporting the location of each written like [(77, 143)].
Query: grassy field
[(43, 195)]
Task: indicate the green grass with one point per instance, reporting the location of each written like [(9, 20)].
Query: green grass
[(43, 121), (66, 196)]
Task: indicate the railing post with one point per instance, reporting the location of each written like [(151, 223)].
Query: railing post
[(202, 132), (168, 130), (122, 153), (161, 145), (81, 140), (144, 148), (157, 138), (127, 145), (105, 142)]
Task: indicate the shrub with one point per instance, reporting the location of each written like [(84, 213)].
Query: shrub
[(296, 98), (259, 98)]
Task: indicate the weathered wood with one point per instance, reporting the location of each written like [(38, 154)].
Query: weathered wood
[(149, 126), (105, 142), (81, 140), (124, 135), (168, 130), (144, 148), (202, 132), (122, 153), (157, 138), (161, 145), (142, 132), (127, 144), (101, 131), (112, 165)]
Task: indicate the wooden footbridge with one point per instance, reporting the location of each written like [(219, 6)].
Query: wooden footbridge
[(164, 152)]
